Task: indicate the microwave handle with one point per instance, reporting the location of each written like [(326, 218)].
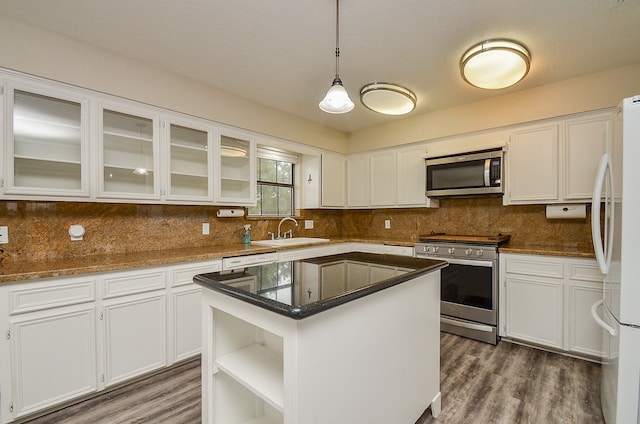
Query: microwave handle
[(487, 172)]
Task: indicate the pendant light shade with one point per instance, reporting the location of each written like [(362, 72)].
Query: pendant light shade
[(388, 99), (495, 64), (337, 99)]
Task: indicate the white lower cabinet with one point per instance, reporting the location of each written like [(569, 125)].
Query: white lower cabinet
[(72, 336), (534, 310), (186, 317), (546, 301), (53, 357), (183, 310), (134, 336)]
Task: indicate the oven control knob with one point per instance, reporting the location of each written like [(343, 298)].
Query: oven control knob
[(451, 250), (468, 252), (480, 252), (435, 249), (427, 249)]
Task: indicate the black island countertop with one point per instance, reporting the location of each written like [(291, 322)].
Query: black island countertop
[(298, 289)]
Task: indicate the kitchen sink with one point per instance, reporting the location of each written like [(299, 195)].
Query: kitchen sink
[(289, 241)]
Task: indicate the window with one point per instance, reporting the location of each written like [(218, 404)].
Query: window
[(275, 188)]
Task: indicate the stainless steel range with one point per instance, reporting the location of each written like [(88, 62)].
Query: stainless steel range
[(469, 288)]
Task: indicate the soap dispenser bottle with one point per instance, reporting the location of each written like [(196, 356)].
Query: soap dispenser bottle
[(246, 237)]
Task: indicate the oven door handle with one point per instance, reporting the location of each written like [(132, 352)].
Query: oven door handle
[(471, 262)]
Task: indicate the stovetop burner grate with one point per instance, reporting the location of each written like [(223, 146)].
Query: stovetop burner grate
[(491, 240)]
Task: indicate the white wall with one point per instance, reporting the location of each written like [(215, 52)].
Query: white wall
[(591, 92), (31, 50), (34, 51)]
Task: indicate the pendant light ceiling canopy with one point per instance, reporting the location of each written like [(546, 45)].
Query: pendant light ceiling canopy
[(387, 98), (495, 64), (337, 99)]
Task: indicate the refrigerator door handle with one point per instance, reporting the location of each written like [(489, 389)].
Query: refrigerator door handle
[(594, 313), (603, 252)]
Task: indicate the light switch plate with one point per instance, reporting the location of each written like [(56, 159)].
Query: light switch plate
[(4, 235), (308, 224), (205, 228), (387, 224)]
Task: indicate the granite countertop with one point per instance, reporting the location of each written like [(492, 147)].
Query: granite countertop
[(287, 293), (13, 271), (569, 249)]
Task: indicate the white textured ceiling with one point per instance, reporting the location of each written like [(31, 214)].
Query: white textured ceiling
[(281, 52)]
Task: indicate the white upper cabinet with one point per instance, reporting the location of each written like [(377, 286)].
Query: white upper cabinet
[(128, 153), (557, 162), (412, 178), (236, 168), (387, 179), (384, 177), (46, 141), (532, 171), (358, 187), (585, 142), (189, 153), (333, 172)]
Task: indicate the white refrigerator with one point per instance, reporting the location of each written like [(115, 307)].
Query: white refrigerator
[(616, 240)]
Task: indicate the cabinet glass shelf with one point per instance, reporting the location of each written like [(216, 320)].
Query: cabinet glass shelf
[(128, 146), (47, 143), (43, 173), (189, 173), (236, 169)]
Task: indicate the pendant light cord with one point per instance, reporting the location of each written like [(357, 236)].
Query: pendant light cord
[(337, 39)]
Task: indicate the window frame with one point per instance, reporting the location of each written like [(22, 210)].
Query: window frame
[(265, 152)]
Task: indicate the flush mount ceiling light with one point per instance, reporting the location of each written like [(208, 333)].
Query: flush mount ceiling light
[(495, 64), (387, 98), (337, 99)]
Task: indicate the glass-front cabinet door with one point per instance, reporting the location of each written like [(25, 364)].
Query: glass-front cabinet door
[(189, 160), (128, 154), (237, 182), (46, 142)]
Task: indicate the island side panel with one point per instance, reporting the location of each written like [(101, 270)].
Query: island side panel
[(373, 360), (226, 328)]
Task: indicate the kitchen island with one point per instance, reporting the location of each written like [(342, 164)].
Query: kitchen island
[(348, 338)]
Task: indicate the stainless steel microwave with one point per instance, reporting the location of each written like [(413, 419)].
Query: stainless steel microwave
[(470, 174)]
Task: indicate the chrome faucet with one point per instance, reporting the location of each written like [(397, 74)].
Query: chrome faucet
[(286, 218)]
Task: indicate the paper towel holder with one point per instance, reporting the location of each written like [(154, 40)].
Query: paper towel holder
[(230, 213), (567, 211)]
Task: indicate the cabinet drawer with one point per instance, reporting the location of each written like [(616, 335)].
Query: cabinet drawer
[(585, 271), (248, 260), (38, 296), (543, 267), (184, 275), (130, 283)]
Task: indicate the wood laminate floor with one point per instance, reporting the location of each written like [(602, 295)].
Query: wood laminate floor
[(480, 384)]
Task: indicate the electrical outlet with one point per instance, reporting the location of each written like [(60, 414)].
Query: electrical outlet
[(387, 224), (308, 224), (205, 228), (4, 235)]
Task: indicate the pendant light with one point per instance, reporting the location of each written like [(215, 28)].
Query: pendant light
[(495, 64), (337, 99)]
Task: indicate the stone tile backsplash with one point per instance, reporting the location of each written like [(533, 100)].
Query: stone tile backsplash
[(39, 230)]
